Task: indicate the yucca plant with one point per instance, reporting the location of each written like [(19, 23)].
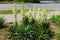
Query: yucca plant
[(23, 9), (31, 31), (31, 28), (15, 13), (26, 20)]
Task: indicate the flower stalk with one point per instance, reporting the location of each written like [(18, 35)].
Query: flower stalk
[(15, 13)]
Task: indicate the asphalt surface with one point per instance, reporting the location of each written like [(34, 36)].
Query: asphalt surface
[(55, 6)]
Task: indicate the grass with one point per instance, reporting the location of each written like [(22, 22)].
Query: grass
[(6, 11), (58, 33)]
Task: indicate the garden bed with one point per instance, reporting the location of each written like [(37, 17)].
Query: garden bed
[(31, 24)]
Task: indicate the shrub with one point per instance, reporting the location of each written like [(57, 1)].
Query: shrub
[(1, 21), (31, 31), (56, 19)]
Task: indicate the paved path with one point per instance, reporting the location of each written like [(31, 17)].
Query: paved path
[(10, 17), (55, 6)]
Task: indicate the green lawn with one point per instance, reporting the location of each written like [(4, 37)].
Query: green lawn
[(58, 33), (7, 11)]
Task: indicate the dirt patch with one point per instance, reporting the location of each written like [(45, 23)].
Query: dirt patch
[(54, 27), (3, 34)]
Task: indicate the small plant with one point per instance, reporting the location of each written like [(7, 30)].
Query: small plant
[(56, 19), (1, 21)]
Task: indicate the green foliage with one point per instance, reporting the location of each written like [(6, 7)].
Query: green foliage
[(31, 1), (31, 31), (31, 28), (1, 21), (58, 36), (25, 20), (6, 12), (57, 33), (56, 19)]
